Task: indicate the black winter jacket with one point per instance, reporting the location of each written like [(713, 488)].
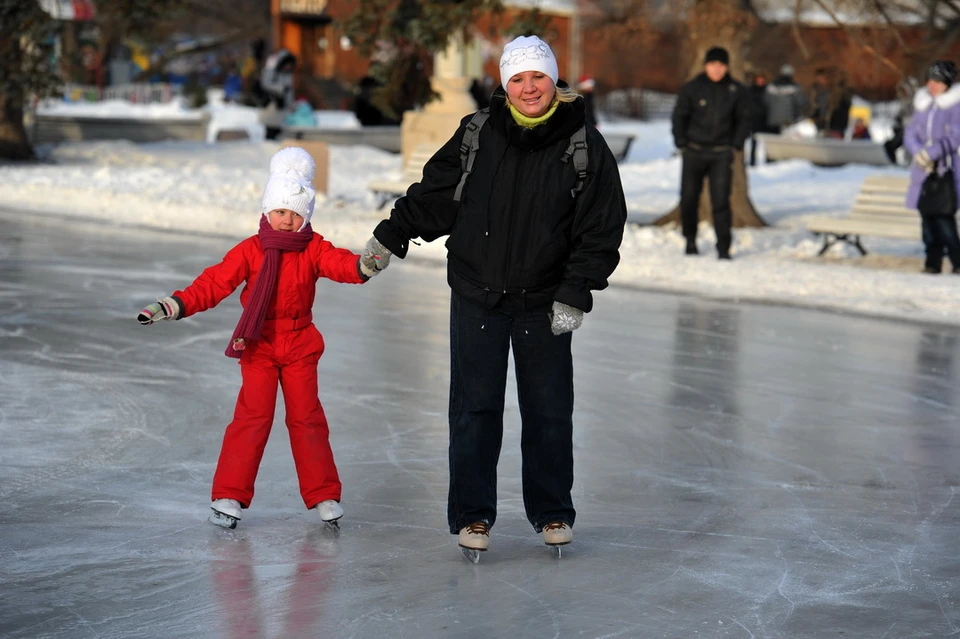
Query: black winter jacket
[(711, 114), (518, 231)]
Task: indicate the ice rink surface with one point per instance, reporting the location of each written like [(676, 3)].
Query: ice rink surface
[(741, 470)]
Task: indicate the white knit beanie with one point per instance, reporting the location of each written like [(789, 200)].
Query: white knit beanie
[(527, 53), (290, 185)]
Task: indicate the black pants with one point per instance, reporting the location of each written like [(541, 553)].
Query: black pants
[(939, 235), (718, 166), (480, 341)]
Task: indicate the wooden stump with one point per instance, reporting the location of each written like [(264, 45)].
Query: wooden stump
[(741, 208)]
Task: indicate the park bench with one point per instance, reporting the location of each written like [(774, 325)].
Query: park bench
[(619, 144), (823, 151), (879, 210), (388, 190)]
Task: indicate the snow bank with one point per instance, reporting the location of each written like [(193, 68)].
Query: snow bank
[(216, 188)]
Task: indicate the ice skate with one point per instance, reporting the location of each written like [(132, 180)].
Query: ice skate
[(330, 513), (226, 513), (556, 535), (474, 539)]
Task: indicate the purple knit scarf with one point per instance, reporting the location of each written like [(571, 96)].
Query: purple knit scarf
[(273, 243)]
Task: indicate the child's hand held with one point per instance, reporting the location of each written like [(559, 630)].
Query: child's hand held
[(375, 258), (164, 309)]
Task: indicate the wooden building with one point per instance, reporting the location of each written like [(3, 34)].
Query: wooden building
[(310, 30), (652, 58)]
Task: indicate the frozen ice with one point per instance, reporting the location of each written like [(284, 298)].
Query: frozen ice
[(741, 470)]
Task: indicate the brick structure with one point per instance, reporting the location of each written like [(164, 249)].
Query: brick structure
[(654, 59)]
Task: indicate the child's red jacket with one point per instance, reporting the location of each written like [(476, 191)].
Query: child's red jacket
[(296, 284)]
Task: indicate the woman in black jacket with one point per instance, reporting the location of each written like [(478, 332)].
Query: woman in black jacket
[(530, 239)]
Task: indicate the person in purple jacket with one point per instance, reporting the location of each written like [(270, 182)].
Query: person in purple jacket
[(933, 132)]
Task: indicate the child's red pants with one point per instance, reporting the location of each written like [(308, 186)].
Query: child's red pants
[(287, 354)]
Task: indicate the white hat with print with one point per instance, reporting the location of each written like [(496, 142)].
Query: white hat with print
[(527, 53)]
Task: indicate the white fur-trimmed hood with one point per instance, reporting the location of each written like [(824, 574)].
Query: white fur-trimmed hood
[(949, 98)]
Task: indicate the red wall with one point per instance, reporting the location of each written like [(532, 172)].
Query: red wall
[(656, 58)]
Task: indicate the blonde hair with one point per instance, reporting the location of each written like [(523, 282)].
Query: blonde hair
[(566, 94)]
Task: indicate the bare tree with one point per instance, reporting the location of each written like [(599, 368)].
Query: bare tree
[(24, 70), (402, 36), (872, 25), (726, 23)]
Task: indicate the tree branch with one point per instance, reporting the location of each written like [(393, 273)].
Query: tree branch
[(858, 41), (896, 32), (795, 29)]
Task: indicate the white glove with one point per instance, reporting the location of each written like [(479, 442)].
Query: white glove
[(923, 161), (564, 318), (375, 258), (165, 309)]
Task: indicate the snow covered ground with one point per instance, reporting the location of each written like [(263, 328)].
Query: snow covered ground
[(215, 188)]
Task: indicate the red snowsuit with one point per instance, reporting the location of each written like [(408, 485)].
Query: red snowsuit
[(286, 353)]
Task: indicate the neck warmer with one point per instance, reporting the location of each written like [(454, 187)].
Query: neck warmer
[(274, 243), (528, 122)]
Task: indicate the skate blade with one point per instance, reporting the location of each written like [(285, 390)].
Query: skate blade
[(472, 554), (333, 526), (224, 521)]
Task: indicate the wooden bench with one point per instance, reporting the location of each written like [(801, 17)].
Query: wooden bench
[(389, 190), (879, 210)]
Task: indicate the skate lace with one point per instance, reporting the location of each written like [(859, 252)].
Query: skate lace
[(479, 528), (556, 525)]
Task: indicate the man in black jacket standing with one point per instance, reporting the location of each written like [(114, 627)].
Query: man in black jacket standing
[(710, 120)]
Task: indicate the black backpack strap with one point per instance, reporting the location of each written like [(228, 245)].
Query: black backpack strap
[(577, 150), (469, 147)]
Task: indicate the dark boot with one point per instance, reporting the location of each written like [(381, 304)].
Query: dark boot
[(723, 255), (691, 248)]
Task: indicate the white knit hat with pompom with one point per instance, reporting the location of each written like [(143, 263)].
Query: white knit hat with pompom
[(290, 185)]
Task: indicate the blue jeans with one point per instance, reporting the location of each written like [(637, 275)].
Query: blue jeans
[(480, 341), (939, 235)]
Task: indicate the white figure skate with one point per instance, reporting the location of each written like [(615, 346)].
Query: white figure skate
[(226, 513), (330, 512)]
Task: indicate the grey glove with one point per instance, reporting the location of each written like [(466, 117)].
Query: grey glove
[(163, 309), (564, 318), (923, 161), (375, 258)]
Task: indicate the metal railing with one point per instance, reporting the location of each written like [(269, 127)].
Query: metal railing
[(140, 93), (640, 104)]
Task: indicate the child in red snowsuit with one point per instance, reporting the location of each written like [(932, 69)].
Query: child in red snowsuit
[(275, 340)]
